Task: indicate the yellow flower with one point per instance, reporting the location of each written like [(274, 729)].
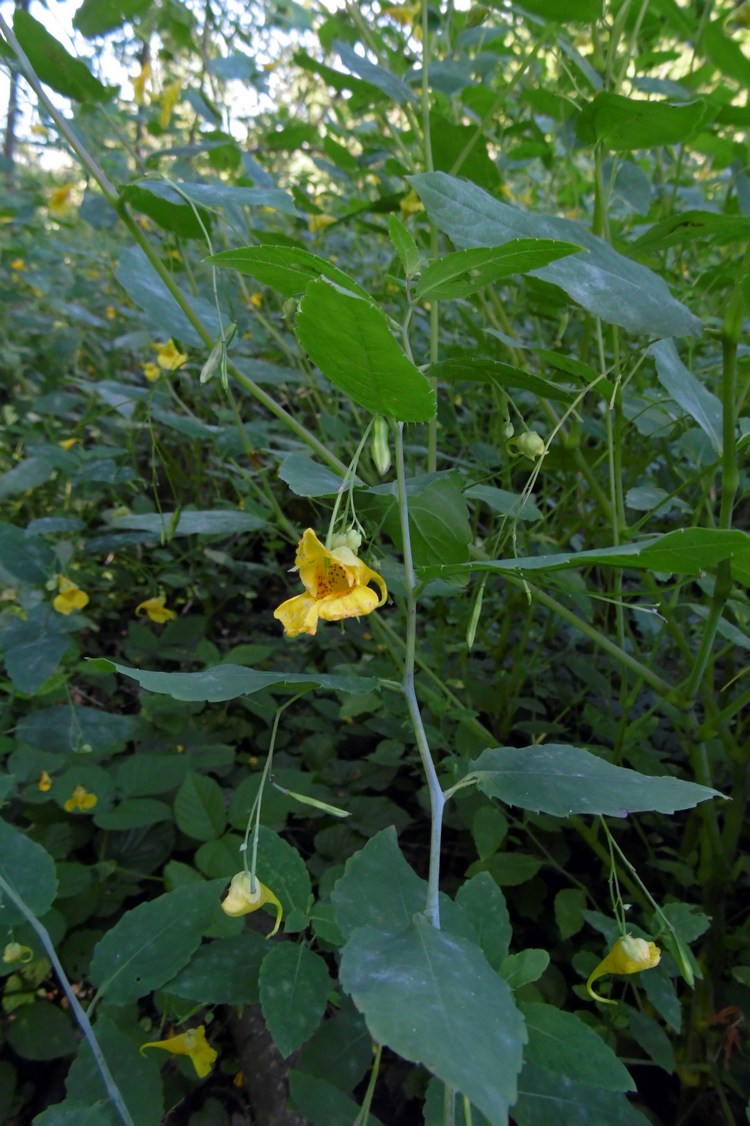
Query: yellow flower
[(319, 222), (256, 300), (167, 356), (410, 203), (18, 264), (192, 1043), (139, 83), (45, 782), (39, 130), (110, 312), (169, 99), (59, 202), (155, 609), (629, 955), (14, 952), (68, 443), (152, 371), (337, 587), (70, 598), (80, 800), (246, 895)]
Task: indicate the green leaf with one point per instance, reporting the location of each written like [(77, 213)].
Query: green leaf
[(211, 522), (222, 972), (483, 370), (375, 75), (350, 341), (562, 1043), (228, 195), (569, 905), (563, 780), (146, 773), (294, 987), (432, 997), (546, 1096), (24, 560), (525, 967), (340, 1051), (199, 808), (97, 17), (650, 1035), (623, 124), (54, 66), (73, 1112), (33, 648), (69, 729), (724, 52), (405, 246), (163, 314), (150, 943), (575, 11), (505, 503), (438, 519), (136, 1075), (307, 478), (483, 902), (687, 551), (688, 392), (27, 475), (288, 269), (29, 870), (166, 207), (323, 1104), (133, 814), (604, 282), (226, 682), (466, 271), (41, 1031), (690, 225), (509, 869)]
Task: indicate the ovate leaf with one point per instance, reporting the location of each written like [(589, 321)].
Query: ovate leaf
[(29, 870), (294, 986), (466, 271), (54, 66), (350, 341)]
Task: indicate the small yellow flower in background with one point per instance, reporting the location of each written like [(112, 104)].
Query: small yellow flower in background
[(45, 782), (68, 443), (152, 371), (80, 801), (337, 585), (402, 14), (14, 952), (410, 204), (155, 609), (39, 130), (168, 358), (256, 300), (169, 99), (18, 264), (139, 83), (319, 222), (242, 898), (70, 598), (110, 312), (629, 955), (37, 291), (59, 202), (192, 1043)]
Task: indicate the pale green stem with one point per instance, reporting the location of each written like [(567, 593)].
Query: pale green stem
[(437, 798), (81, 1016), (363, 1116)]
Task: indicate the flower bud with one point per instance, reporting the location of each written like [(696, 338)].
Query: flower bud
[(530, 444), (380, 450)]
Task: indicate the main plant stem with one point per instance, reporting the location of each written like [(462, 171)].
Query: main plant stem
[(437, 798)]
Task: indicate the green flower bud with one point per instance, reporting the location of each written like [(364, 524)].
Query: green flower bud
[(530, 444), (380, 450)]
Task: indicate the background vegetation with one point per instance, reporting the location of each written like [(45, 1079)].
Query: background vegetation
[(473, 280)]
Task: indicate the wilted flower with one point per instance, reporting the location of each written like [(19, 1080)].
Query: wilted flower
[(168, 358), (139, 83), (70, 598), (169, 99), (155, 609), (337, 587), (59, 201), (14, 952), (246, 895), (192, 1043), (629, 955), (80, 801)]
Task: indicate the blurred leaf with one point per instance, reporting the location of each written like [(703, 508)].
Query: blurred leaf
[(688, 392), (41, 1031), (146, 289), (97, 17), (22, 559), (484, 370), (546, 1096), (54, 66), (433, 998), (136, 1075), (222, 972), (524, 967), (65, 729), (604, 282), (133, 814), (622, 124), (562, 1043), (166, 207), (375, 75), (294, 986), (563, 780), (323, 1104), (28, 474), (29, 870), (350, 341), (307, 478), (199, 808), (33, 648), (211, 522)]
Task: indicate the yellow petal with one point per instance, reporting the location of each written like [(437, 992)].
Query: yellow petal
[(629, 955), (155, 609), (245, 896), (192, 1043), (45, 782), (361, 600), (70, 598), (80, 801), (298, 615)]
